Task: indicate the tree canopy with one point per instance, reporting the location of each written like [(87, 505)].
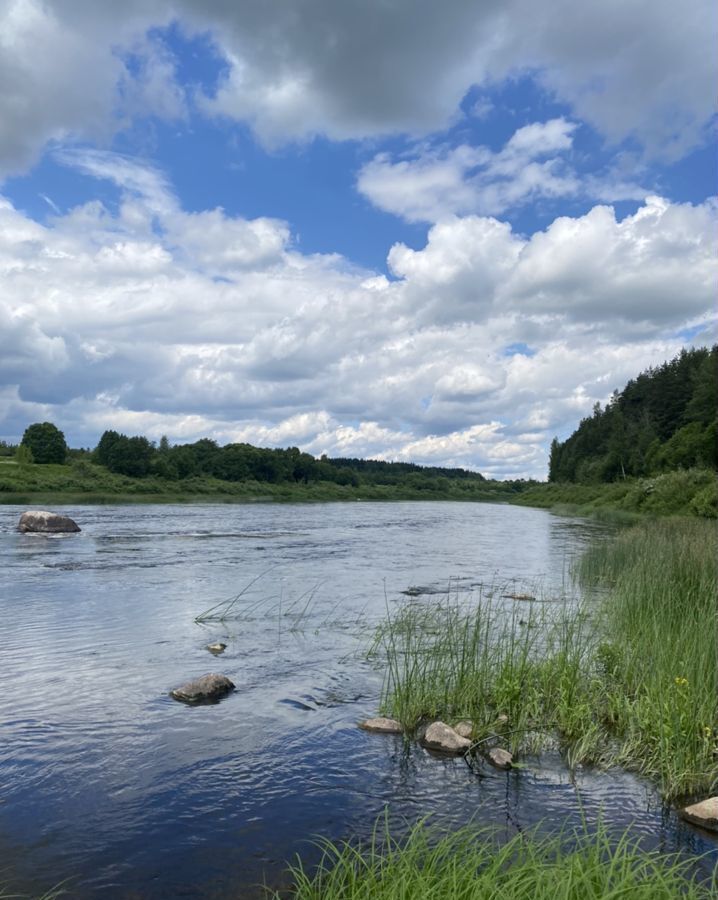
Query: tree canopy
[(46, 443), (664, 419)]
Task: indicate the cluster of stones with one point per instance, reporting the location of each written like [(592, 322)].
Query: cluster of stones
[(439, 736)]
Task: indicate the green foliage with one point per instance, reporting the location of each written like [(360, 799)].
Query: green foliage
[(687, 492), (477, 864), (23, 455), (663, 420), (46, 443)]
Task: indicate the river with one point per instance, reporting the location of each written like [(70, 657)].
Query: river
[(108, 782)]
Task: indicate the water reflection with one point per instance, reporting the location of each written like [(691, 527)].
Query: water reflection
[(106, 780)]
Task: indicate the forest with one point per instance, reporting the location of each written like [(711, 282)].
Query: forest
[(663, 420)]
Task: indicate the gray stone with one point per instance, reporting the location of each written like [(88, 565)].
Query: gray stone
[(217, 648), (464, 728), (41, 521), (382, 725), (205, 689), (500, 758), (440, 736), (704, 814)]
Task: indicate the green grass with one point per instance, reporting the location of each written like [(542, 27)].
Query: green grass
[(685, 492), (83, 482), (630, 678), (471, 865)]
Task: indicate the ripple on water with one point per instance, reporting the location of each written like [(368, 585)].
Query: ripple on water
[(107, 780)]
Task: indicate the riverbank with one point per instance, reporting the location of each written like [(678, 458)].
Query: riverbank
[(692, 492), (83, 482), (625, 677), (685, 492)]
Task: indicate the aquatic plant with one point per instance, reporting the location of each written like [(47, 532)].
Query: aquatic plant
[(629, 678), (471, 864)]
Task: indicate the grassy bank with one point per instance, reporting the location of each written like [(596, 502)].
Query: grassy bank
[(685, 492), (84, 482), (467, 865), (630, 679)]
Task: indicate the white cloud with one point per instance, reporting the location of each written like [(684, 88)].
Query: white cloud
[(155, 320), (352, 70), (434, 183)]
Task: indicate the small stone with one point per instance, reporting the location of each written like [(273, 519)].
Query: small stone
[(502, 719), (440, 736), (205, 689), (382, 725), (500, 758), (704, 814), (40, 521), (464, 728), (217, 648)]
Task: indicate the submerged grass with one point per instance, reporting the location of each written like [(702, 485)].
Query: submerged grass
[(473, 865), (630, 678)]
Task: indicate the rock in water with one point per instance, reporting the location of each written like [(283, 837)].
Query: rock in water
[(464, 728), (382, 725), (41, 521), (704, 814), (440, 736), (205, 689), (502, 759), (217, 648)]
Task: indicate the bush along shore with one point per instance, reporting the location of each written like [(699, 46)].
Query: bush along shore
[(628, 675)]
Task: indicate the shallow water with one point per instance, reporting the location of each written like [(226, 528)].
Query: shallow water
[(107, 781)]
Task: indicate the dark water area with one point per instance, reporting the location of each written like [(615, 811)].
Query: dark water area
[(108, 782)]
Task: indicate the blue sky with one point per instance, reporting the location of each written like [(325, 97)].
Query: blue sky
[(437, 234)]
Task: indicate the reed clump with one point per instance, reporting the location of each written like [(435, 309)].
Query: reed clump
[(630, 678), (474, 865)]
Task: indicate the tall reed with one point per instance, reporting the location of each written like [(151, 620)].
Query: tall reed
[(631, 678), (471, 865)]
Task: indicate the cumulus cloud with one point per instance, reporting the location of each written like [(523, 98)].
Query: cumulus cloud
[(464, 179), (151, 319), (352, 70)]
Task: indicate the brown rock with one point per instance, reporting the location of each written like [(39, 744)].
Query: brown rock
[(439, 736), (464, 728), (205, 689), (704, 814), (500, 758), (41, 521), (382, 725)]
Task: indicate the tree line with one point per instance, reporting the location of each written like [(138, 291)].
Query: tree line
[(665, 419), (138, 457)]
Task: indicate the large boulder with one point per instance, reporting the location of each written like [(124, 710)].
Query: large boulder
[(704, 814), (41, 521), (205, 689), (440, 736)]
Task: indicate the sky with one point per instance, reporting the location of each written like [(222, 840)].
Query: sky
[(400, 229)]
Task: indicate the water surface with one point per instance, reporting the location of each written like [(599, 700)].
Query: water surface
[(107, 781)]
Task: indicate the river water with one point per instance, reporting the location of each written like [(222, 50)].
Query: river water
[(108, 782)]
